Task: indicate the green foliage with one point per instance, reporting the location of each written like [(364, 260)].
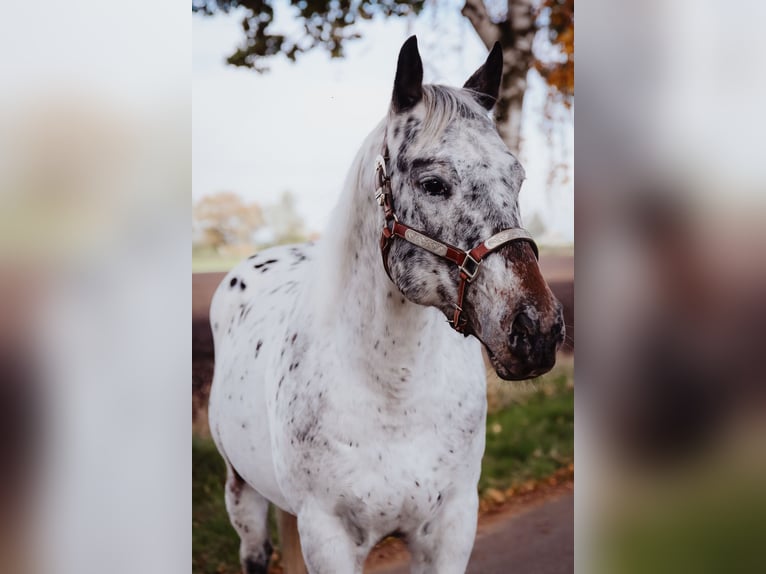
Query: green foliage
[(215, 544), (325, 24), (532, 438), (718, 528)]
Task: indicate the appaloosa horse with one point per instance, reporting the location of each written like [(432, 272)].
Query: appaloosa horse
[(341, 394)]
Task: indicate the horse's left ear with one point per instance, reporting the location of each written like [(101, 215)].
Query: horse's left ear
[(408, 84), (485, 82)]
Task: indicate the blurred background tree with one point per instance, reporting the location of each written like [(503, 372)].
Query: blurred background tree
[(535, 34), (284, 222), (223, 222)]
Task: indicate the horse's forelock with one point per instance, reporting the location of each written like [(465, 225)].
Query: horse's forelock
[(443, 105)]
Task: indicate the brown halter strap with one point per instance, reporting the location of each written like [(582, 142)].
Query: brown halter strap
[(468, 262)]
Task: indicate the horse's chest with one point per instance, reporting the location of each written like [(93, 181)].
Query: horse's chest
[(397, 459)]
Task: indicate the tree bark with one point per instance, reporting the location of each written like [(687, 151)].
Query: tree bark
[(515, 34), (476, 12)]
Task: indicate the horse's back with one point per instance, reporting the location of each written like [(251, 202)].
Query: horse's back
[(271, 276), (248, 311)]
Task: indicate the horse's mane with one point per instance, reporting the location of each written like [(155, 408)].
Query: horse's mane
[(337, 246)]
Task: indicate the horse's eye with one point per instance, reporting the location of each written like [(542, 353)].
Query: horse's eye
[(434, 186)]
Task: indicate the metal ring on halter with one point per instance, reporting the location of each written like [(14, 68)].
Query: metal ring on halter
[(470, 273)]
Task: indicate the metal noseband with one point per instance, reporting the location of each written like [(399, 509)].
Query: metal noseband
[(469, 262)]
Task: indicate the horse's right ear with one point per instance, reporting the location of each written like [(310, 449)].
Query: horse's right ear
[(408, 84), (485, 82)]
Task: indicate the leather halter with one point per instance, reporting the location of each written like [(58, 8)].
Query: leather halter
[(468, 262)]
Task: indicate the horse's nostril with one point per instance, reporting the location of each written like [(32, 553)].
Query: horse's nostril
[(523, 325), (522, 333)]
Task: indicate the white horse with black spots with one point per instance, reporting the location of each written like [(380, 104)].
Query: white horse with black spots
[(341, 394)]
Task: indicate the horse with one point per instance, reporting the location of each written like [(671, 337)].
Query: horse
[(341, 394)]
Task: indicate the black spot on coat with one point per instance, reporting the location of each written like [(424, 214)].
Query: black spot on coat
[(269, 262)]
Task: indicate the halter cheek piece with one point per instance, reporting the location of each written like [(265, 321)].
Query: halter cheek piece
[(468, 262)]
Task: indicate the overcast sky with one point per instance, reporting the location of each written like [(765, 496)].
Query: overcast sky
[(299, 126)]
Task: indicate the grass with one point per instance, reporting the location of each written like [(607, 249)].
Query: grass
[(529, 437), (705, 528), (213, 264), (215, 545)]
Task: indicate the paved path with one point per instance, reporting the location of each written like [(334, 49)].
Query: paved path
[(539, 540)]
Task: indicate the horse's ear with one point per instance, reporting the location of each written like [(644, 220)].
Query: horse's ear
[(485, 82), (408, 84)]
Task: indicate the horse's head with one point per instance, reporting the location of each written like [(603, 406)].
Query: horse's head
[(453, 178)]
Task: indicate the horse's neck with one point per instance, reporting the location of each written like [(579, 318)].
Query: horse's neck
[(382, 332)]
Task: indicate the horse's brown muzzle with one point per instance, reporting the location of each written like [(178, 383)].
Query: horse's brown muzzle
[(531, 347)]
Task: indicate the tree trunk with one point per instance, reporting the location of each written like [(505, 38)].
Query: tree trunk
[(508, 109), (515, 34)]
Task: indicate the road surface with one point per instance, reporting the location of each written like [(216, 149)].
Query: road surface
[(539, 540)]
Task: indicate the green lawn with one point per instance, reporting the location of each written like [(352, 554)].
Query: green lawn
[(533, 437), (708, 526), (215, 546), (528, 439), (209, 264)]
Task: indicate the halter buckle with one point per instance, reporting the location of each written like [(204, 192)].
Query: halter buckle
[(470, 267), (458, 325), (380, 164), (382, 180), (380, 196)]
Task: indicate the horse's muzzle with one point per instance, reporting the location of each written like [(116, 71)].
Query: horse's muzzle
[(531, 348)]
